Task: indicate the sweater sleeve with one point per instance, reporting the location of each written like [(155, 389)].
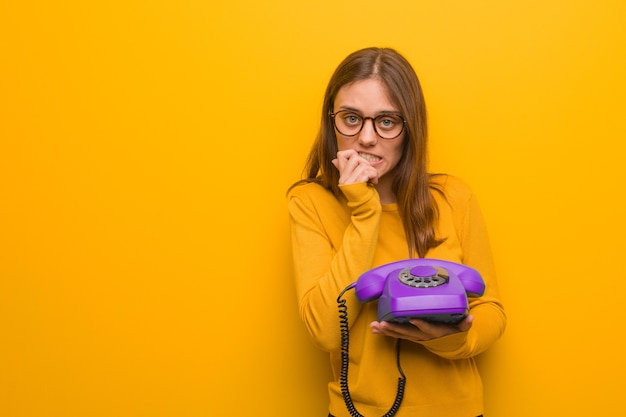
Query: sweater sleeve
[(330, 251), (489, 316)]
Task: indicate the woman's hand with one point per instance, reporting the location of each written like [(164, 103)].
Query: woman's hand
[(353, 168), (420, 330)]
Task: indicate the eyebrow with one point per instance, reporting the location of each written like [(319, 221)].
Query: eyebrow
[(383, 112)]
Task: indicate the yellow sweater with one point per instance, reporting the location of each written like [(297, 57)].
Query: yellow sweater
[(334, 242)]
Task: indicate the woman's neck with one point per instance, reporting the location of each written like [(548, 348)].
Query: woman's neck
[(385, 192)]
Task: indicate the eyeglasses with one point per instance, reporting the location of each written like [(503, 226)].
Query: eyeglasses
[(387, 125)]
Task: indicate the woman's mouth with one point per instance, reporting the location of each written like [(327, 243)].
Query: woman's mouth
[(369, 157)]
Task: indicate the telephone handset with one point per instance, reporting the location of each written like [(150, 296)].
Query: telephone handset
[(430, 289)]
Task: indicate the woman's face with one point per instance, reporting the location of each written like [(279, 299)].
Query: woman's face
[(368, 98)]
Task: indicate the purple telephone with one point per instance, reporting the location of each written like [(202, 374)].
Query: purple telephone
[(429, 289)]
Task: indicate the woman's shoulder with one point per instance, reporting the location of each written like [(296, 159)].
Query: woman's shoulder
[(455, 190), (312, 194), (308, 190), (312, 197)]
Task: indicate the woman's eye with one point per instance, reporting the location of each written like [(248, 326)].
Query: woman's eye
[(387, 123), (352, 119)]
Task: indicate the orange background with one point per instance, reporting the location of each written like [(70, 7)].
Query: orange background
[(145, 150)]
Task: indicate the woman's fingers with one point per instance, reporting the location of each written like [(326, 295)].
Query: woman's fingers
[(353, 168)]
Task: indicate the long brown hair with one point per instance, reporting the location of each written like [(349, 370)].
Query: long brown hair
[(412, 183)]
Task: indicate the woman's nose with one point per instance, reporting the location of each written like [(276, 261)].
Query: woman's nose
[(368, 135)]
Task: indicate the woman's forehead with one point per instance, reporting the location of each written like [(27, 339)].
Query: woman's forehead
[(369, 95)]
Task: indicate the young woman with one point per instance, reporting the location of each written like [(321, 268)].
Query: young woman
[(369, 200)]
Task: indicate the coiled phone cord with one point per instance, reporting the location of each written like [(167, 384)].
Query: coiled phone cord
[(344, 329)]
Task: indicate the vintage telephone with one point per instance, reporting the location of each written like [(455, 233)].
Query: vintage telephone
[(429, 289)]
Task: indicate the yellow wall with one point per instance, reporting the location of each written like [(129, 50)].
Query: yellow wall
[(145, 148)]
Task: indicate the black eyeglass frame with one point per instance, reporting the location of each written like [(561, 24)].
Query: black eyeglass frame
[(373, 119)]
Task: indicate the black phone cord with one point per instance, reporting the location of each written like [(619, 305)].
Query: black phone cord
[(344, 329)]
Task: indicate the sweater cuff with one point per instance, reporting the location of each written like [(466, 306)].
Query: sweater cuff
[(359, 192), (447, 346)]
